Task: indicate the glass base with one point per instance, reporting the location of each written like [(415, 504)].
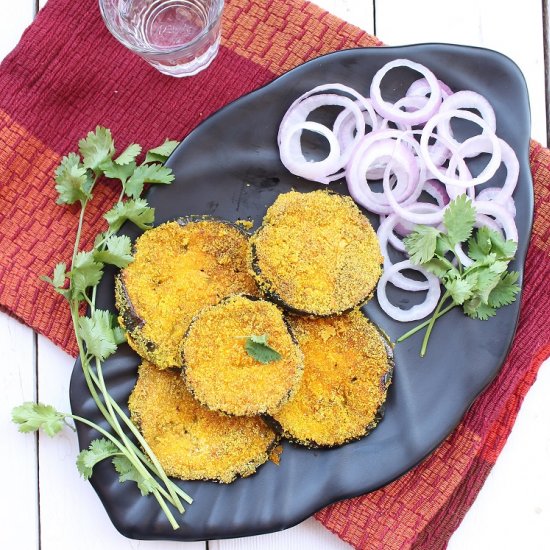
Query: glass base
[(187, 67)]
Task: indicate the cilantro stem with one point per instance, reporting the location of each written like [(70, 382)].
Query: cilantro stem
[(432, 321), (75, 178), (109, 401), (117, 428), (158, 468), (124, 451), (425, 323), (92, 381)]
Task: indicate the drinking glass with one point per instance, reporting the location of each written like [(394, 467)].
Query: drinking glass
[(178, 37)]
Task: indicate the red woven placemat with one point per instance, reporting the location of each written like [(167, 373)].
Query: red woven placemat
[(68, 74)]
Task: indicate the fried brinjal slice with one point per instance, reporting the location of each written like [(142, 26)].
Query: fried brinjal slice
[(179, 267), (191, 441), (348, 366), (227, 370), (316, 253)]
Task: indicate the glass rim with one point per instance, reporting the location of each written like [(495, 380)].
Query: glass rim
[(166, 51)]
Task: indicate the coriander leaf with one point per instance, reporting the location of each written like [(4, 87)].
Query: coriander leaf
[(34, 416), (421, 243), (73, 183), (99, 450), (98, 334), (59, 275), (119, 335), (459, 219), (96, 148), (501, 247), (479, 245), (58, 280), (258, 349), (443, 245), (440, 267), (85, 272), (505, 290), (127, 472), (119, 251), (261, 339), (99, 239), (478, 310), (118, 172), (486, 281), (129, 154), (147, 173), (460, 289), (162, 152), (137, 211), (499, 266)]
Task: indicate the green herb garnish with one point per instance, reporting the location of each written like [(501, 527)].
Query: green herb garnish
[(97, 333), (258, 348), (480, 288)]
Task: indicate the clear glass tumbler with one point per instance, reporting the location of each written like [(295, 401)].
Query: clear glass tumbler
[(178, 37)]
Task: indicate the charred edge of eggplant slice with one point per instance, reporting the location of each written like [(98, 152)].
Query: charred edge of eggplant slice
[(276, 439), (251, 463), (385, 382), (266, 286), (286, 397), (133, 323)]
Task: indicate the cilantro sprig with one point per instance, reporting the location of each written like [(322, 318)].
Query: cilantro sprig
[(479, 288), (98, 333), (257, 347)]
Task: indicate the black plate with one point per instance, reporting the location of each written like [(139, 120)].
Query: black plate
[(229, 167)]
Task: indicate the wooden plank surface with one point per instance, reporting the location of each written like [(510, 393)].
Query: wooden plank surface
[(18, 453), (69, 506), (513, 509)]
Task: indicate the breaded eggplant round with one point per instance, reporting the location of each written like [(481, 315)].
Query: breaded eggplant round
[(190, 441), (348, 366), (316, 253), (223, 375), (179, 267)]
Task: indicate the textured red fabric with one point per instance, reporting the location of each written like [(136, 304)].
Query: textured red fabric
[(68, 74)]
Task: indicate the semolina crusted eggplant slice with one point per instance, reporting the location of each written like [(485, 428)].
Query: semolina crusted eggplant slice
[(179, 267), (348, 366), (223, 375), (190, 441), (316, 253)]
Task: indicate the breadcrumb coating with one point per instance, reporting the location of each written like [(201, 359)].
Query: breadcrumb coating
[(219, 371), (316, 253), (190, 441), (347, 371), (179, 267)]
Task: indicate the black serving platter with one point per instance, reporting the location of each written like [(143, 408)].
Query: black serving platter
[(229, 167)]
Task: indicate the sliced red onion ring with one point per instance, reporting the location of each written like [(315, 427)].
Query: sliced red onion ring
[(435, 189), (404, 167), (489, 170), (481, 144), (403, 210), (494, 193), (465, 260), (296, 163), (466, 99), (390, 111), (416, 312), (501, 215), (486, 221), (421, 88), (345, 125), (385, 232), (295, 121)]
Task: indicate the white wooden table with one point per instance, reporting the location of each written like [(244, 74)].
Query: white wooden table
[(43, 502)]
